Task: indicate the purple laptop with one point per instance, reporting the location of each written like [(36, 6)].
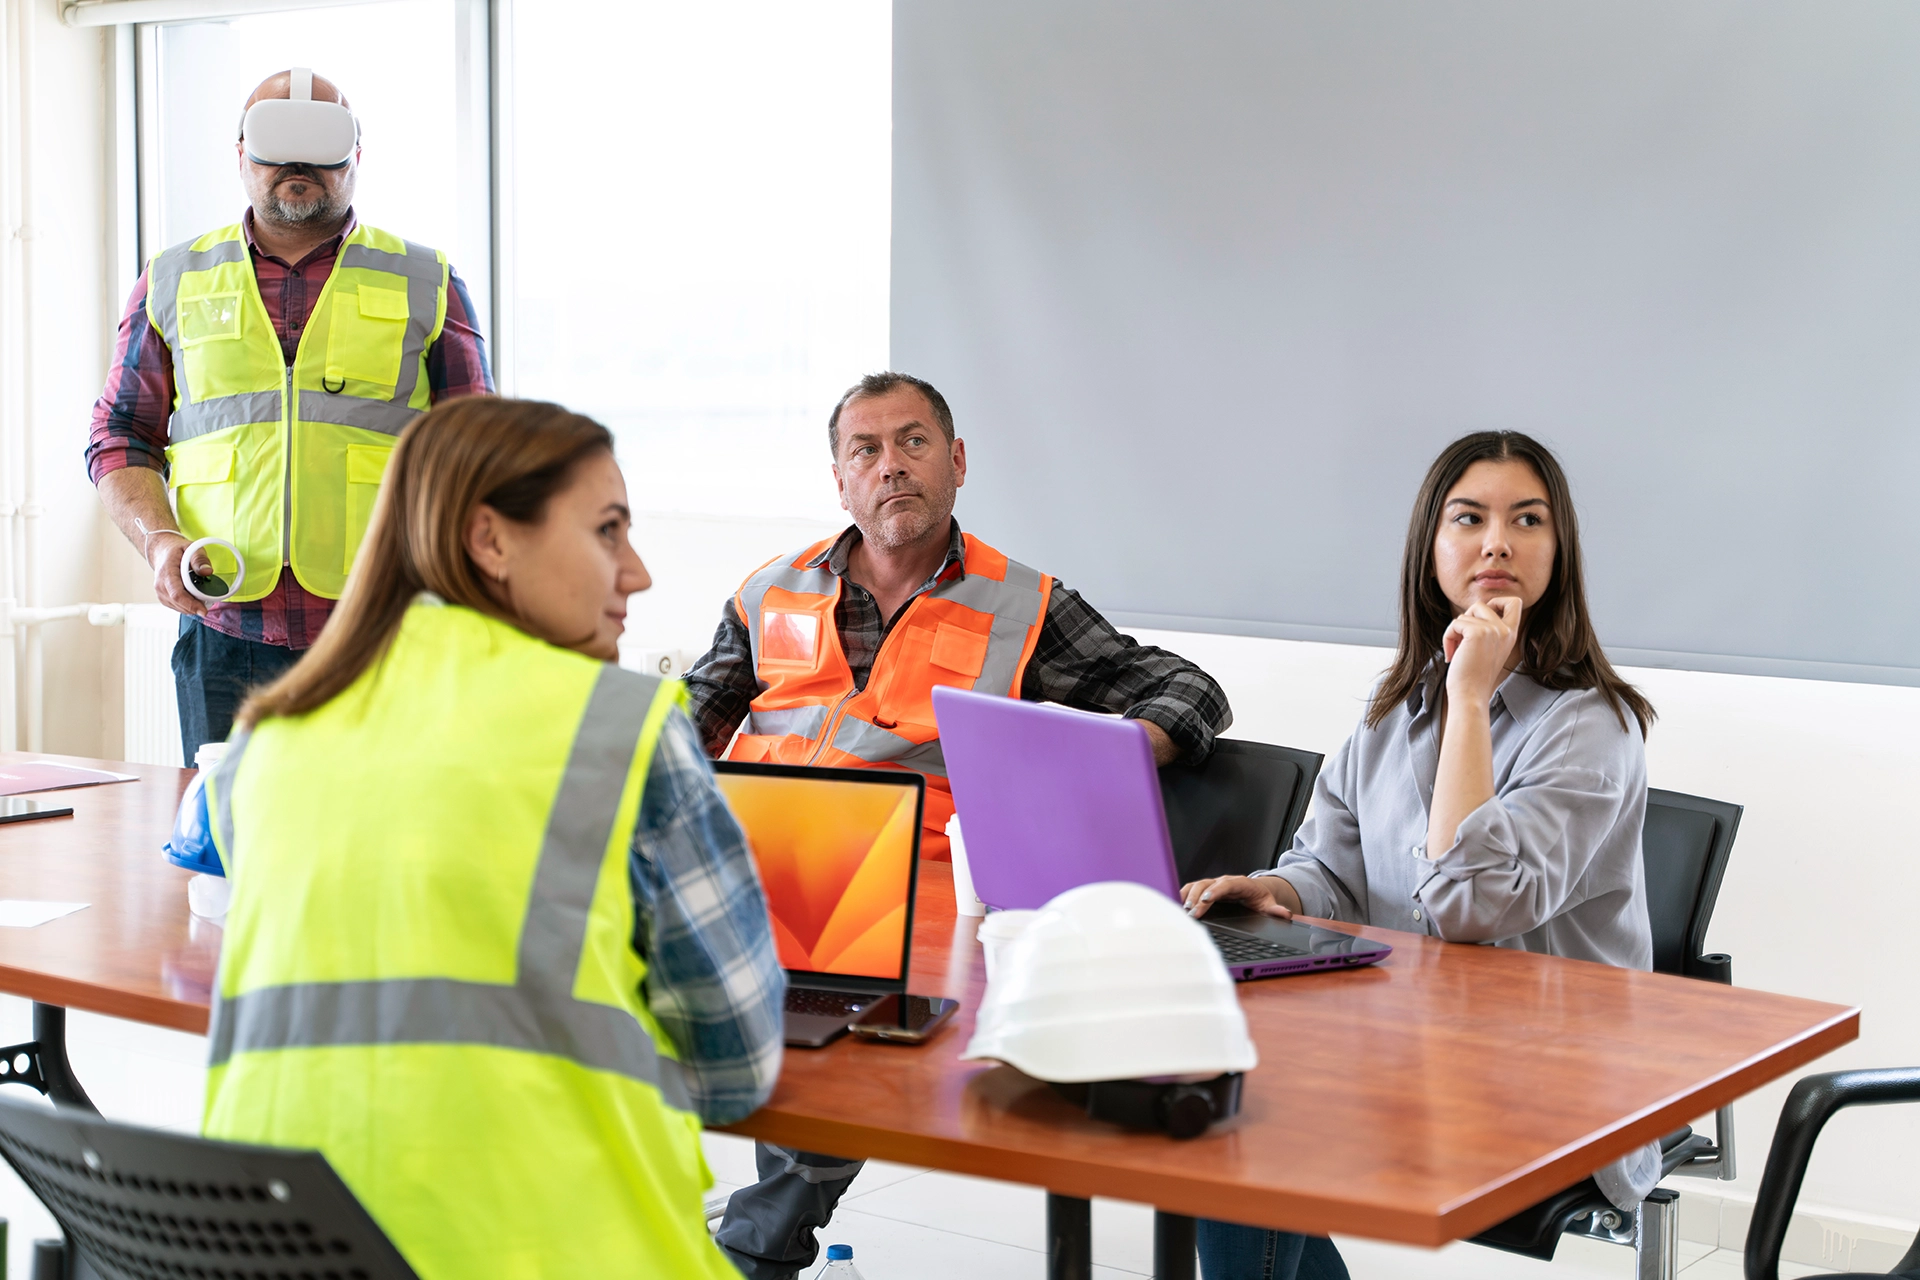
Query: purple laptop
[(1050, 799)]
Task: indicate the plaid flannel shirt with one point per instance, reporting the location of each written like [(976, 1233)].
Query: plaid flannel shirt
[(700, 922), (1080, 660), (130, 417)]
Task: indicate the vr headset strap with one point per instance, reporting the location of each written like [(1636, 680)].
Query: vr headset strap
[(300, 84)]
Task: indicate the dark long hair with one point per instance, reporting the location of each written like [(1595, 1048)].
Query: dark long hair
[(513, 455), (1559, 648)]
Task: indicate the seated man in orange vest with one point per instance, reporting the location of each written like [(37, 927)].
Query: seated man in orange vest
[(830, 656)]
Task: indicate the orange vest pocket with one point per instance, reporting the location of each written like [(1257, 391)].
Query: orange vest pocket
[(958, 649), (789, 637)]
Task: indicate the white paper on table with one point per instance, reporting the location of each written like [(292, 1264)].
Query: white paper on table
[(24, 913)]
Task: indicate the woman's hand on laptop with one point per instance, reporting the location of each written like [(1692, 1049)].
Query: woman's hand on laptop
[(1271, 895)]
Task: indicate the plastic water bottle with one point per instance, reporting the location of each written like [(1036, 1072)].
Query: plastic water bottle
[(207, 895), (839, 1264)]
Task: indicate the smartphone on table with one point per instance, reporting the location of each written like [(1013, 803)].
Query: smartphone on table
[(903, 1019)]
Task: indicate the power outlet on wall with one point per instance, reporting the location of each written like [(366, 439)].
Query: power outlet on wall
[(667, 663)]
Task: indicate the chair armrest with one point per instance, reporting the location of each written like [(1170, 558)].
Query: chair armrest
[(1809, 1106), (1715, 966)]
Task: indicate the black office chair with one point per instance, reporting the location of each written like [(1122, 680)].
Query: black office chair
[(1237, 812), (142, 1204), (1684, 846), (1809, 1106)]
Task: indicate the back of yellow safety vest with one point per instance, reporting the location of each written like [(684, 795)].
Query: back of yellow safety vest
[(428, 972)]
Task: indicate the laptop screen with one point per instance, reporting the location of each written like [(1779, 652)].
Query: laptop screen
[(837, 851)]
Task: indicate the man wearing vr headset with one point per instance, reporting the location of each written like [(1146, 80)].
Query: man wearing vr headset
[(262, 374)]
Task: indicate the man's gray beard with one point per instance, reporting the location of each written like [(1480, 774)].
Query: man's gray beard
[(322, 208), (889, 535)]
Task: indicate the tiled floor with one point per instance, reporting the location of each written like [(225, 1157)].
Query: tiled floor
[(904, 1223)]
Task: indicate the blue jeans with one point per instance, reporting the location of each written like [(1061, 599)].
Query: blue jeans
[(1231, 1252), (212, 674)]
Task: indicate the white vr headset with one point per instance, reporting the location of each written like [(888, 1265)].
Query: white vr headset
[(298, 130)]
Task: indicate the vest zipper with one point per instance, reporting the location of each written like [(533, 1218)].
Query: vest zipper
[(286, 492), (833, 723)]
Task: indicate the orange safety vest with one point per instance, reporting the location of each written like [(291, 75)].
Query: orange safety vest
[(974, 631)]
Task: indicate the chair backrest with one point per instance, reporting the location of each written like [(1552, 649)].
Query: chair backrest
[(142, 1204), (1236, 812), (1685, 846)]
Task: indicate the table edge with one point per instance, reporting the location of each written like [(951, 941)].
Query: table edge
[(1460, 1218)]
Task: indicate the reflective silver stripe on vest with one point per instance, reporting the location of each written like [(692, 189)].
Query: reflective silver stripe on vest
[(870, 742), (538, 1013), (191, 420), (163, 287), (389, 417), (424, 271), (803, 722), (221, 811)]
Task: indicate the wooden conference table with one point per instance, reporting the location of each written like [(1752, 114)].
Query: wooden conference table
[(1421, 1100)]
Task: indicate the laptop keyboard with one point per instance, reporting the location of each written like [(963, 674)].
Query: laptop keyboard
[(1239, 948), (830, 1004)]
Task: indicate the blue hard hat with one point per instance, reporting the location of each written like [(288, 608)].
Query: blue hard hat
[(839, 1253), (191, 844)]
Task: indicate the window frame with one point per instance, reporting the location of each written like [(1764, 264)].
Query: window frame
[(482, 179)]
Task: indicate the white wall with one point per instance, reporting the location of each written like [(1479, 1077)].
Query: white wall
[(1818, 900), (70, 281)]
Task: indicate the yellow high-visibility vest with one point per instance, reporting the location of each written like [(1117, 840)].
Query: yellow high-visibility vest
[(285, 461), (428, 973)]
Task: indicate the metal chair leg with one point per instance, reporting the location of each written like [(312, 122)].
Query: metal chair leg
[(1656, 1236)]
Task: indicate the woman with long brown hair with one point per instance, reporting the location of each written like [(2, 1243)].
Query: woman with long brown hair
[(496, 945), (1495, 789)]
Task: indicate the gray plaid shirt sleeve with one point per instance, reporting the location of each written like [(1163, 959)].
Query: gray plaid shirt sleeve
[(722, 686), (1080, 660), (714, 980)]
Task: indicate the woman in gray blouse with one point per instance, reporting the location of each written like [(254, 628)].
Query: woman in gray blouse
[(1494, 791)]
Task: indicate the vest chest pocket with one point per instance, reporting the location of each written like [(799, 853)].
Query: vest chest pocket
[(959, 650), (789, 638), (365, 338), (212, 360), (201, 476), (366, 466), (210, 317)]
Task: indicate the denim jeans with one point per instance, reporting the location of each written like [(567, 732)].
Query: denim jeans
[(1232, 1252), (212, 674)]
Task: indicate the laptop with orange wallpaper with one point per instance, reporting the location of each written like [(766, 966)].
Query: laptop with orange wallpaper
[(839, 857)]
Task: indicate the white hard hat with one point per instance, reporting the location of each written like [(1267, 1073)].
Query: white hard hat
[(1112, 981)]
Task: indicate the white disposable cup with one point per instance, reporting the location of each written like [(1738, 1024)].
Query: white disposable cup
[(1001, 930), (965, 900), (208, 896), (209, 755)]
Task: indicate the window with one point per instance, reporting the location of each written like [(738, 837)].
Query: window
[(701, 203), (411, 69)]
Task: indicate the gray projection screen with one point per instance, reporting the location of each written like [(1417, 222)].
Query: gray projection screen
[(1209, 284)]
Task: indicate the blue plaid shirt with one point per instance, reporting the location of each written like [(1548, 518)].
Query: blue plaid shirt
[(700, 922)]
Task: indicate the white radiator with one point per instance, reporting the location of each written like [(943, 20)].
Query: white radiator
[(152, 714)]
